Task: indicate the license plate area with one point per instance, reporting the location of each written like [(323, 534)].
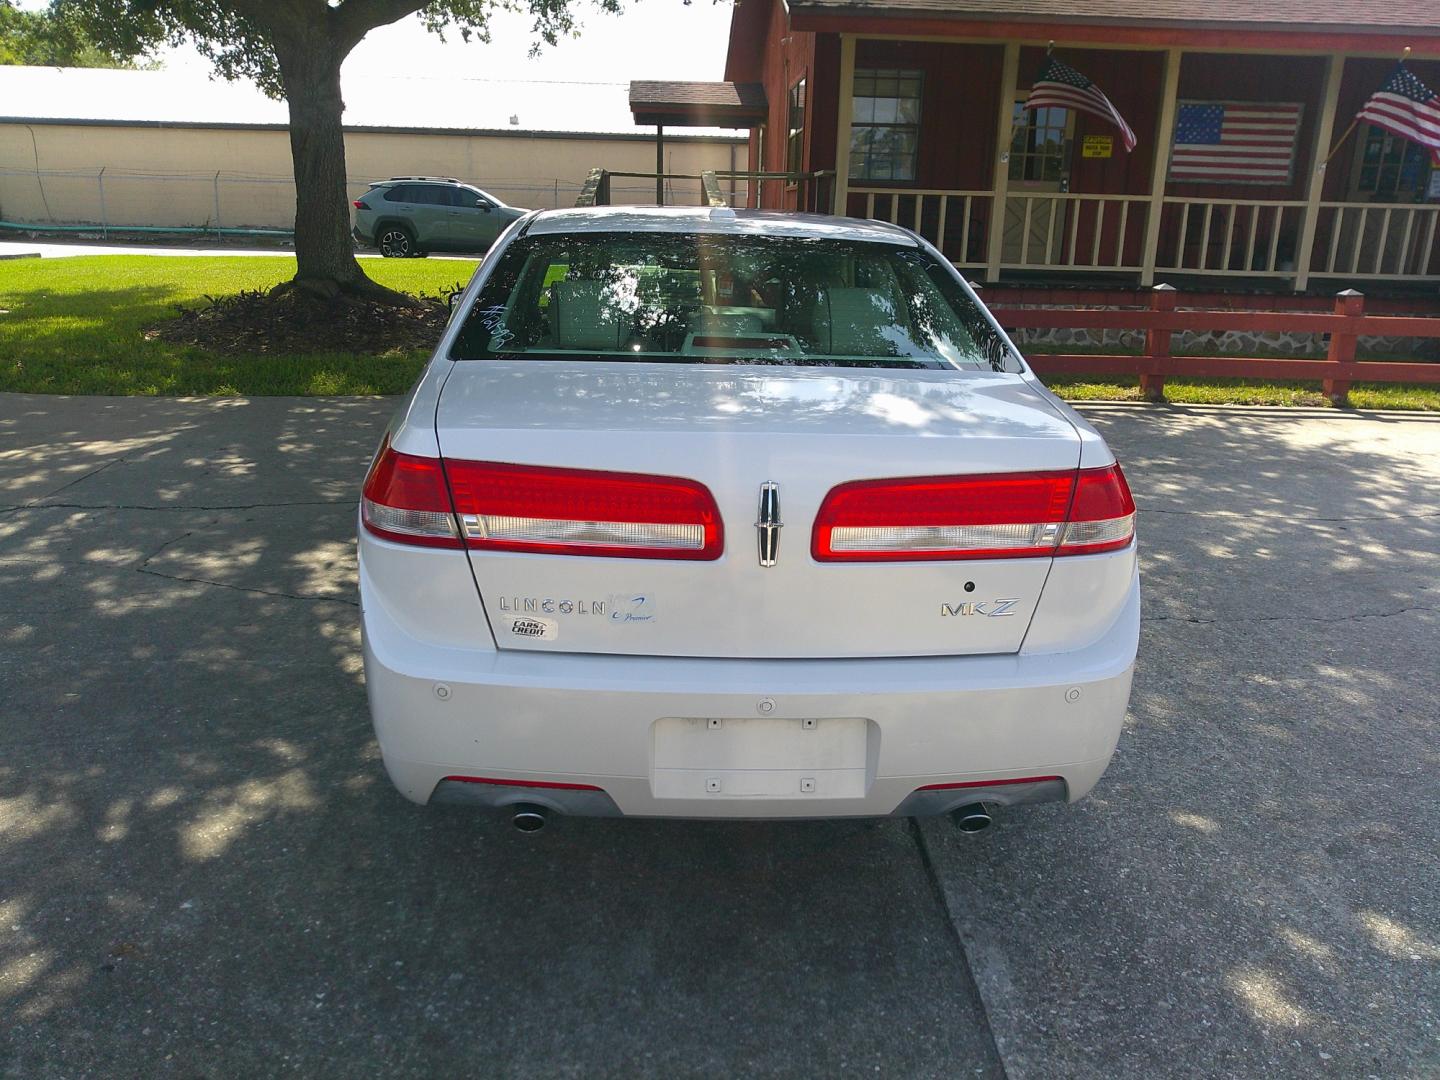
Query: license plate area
[(762, 757)]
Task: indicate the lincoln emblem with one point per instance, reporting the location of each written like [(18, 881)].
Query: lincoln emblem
[(769, 524)]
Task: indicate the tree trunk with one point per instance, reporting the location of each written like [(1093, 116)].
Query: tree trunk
[(324, 251)]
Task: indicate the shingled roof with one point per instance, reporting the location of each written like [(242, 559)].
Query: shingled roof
[(1355, 16), (698, 104)]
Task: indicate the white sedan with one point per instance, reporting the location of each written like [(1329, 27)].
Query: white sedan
[(731, 514)]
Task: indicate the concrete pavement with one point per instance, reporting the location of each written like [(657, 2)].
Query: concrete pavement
[(204, 872)]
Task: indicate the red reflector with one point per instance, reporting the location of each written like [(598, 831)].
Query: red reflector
[(998, 516), (584, 512), (524, 783), (405, 500), (989, 783)]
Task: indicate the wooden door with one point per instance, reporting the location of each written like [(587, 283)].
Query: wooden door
[(1040, 150)]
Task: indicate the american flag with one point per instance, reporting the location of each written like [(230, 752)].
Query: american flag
[(1229, 142), (1062, 87), (1406, 107)]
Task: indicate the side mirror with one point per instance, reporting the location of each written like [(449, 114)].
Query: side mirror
[(483, 205)]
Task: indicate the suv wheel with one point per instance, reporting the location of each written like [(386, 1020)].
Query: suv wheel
[(396, 242)]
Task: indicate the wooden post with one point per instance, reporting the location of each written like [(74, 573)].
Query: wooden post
[(1342, 346), (1157, 346), (1319, 162), (1004, 132), (1160, 164), (844, 115), (659, 164)]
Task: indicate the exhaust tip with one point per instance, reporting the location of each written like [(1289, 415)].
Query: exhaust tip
[(973, 818), (530, 819)]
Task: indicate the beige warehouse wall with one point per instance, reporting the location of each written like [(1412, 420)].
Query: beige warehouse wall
[(174, 176)]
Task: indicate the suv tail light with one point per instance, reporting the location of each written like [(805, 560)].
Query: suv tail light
[(531, 508), (359, 205), (584, 512), (1000, 516)]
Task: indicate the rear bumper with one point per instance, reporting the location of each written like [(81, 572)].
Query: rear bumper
[(594, 720)]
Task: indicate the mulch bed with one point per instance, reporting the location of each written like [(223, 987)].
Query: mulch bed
[(292, 321)]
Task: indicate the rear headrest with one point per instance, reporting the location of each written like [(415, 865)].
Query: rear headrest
[(584, 317), (851, 322), (729, 323)]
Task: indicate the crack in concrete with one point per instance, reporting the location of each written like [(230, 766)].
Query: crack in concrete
[(249, 588), (144, 568), (79, 480)]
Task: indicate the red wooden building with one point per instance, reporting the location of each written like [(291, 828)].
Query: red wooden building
[(921, 97)]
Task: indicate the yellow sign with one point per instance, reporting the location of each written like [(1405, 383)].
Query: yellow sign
[(1101, 146)]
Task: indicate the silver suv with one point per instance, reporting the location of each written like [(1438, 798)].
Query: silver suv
[(407, 216)]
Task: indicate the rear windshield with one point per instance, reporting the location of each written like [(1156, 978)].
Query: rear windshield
[(707, 299)]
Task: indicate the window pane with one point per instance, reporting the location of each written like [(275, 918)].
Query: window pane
[(885, 110)]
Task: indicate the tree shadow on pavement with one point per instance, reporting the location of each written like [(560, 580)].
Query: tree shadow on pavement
[(204, 872), (1255, 884)]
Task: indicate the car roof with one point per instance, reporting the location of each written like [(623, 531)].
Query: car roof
[(718, 220)]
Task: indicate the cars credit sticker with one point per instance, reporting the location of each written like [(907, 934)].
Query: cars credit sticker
[(528, 626)]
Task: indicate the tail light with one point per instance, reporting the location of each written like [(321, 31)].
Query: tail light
[(584, 512), (404, 499), (1102, 518), (530, 508), (359, 205), (1001, 516)]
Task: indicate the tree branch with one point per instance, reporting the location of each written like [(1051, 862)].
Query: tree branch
[(353, 19)]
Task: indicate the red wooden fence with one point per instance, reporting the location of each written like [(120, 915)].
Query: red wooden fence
[(1336, 372)]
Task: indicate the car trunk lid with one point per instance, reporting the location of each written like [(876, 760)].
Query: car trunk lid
[(750, 434)]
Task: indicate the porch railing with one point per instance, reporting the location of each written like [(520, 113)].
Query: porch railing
[(1253, 237), (1074, 232), (1375, 241)]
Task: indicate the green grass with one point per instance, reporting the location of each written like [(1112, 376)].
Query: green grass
[(1218, 391), (1245, 392), (74, 326)]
